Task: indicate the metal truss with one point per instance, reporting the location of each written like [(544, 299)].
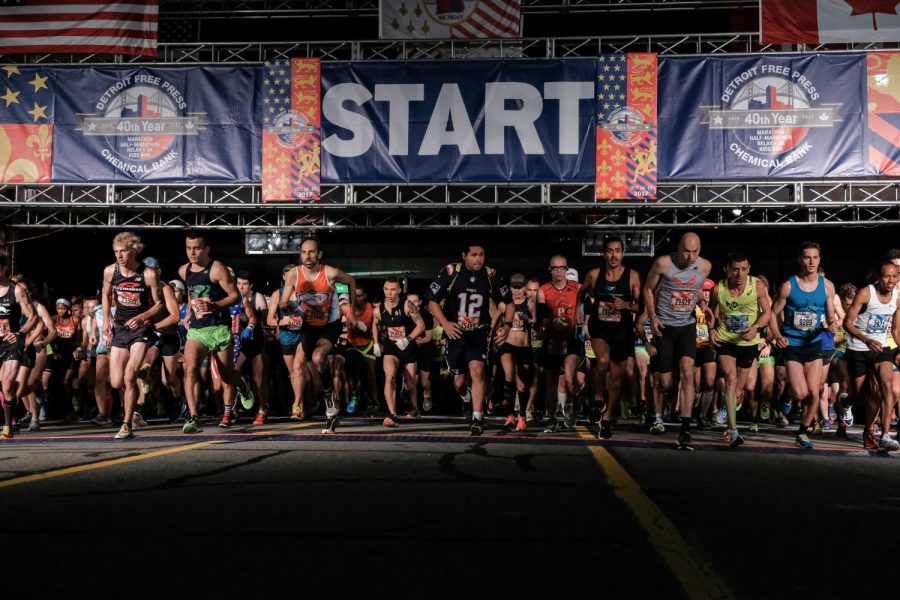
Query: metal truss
[(217, 9), (451, 49), (441, 206)]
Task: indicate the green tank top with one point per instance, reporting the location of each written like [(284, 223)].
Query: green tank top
[(737, 314)]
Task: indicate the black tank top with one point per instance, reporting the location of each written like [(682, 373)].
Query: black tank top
[(199, 285), (164, 312), (10, 311), (132, 295), (395, 324), (605, 293)]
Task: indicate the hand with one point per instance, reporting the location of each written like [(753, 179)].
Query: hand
[(107, 331), (132, 323), (651, 349), (656, 325), (361, 326), (620, 304), (585, 331), (77, 353), (714, 338), (835, 325), (750, 334), (92, 340), (402, 344), (352, 321), (10, 338), (247, 334), (451, 330), (765, 350), (502, 334), (376, 350), (781, 342), (874, 345)]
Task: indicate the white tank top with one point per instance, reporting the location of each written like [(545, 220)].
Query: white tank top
[(875, 322)]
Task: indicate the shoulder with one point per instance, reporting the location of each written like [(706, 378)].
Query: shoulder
[(450, 269)]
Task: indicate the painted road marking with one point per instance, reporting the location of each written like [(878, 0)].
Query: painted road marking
[(102, 464), (695, 574)]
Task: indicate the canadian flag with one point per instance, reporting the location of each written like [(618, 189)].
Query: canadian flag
[(829, 21)]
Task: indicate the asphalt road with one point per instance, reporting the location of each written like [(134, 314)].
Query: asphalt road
[(427, 511)]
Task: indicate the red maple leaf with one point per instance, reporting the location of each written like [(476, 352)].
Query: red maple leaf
[(861, 7)]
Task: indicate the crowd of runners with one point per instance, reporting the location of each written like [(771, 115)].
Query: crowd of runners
[(539, 353)]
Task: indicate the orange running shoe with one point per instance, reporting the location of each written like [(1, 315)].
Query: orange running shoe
[(260, 419), (521, 425), (390, 421), (510, 421)]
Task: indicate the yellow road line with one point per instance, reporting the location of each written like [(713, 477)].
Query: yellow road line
[(289, 427), (694, 573), (102, 464)]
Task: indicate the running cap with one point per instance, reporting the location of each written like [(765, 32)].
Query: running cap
[(64, 302), (151, 262), (572, 275), (176, 283), (709, 284), (517, 279)]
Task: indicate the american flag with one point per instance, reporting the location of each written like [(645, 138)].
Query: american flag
[(411, 19), (78, 26)]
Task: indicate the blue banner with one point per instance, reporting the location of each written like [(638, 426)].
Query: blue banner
[(174, 124), (749, 117), (440, 121)]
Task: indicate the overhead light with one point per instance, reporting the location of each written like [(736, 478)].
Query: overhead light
[(737, 212), (331, 223), (271, 242)]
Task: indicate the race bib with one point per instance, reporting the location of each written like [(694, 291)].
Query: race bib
[(608, 313), (683, 300), (294, 323), (468, 323), (396, 333), (878, 324), (805, 321), (517, 325), (737, 323), (703, 333)]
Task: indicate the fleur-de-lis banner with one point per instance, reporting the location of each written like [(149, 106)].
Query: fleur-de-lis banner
[(292, 134), (626, 126), (26, 125)]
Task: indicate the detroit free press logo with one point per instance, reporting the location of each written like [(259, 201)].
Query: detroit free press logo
[(141, 117), (768, 110)]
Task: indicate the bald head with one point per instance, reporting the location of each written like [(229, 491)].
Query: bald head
[(688, 249)]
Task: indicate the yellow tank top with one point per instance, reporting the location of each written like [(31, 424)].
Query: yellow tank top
[(737, 314)]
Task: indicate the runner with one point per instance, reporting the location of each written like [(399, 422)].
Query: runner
[(211, 290), (705, 359), (135, 291), (14, 305), (395, 326), (741, 305), (313, 284), (802, 302), (516, 355), (425, 351), (466, 289), (867, 351), (671, 294), (288, 322), (615, 291), (360, 360), (558, 310), (36, 332), (252, 344)]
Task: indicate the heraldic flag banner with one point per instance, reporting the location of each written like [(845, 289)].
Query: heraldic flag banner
[(26, 125), (626, 126), (883, 78), (292, 132)]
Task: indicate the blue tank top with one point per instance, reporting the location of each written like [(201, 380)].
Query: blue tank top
[(803, 313), (287, 337)]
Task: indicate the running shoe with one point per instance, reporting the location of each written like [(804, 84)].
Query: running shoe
[(816, 428), (658, 428), (569, 416), (841, 430), (704, 423), (510, 422), (426, 404), (414, 414), (832, 413), (99, 420), (227, 421), (754, 428), (848, 416), (390, 421), (595, 415), (888, 444), (734, 438), (138, 419), (297, 413), (529, 415), (145, 386), (826, 427), (721, 416), (124, 432), (245, 397), (352, 405), (802, 440), (786, 408), (605, 431), (26, 418), (261, 419), (34, 426), (490, 406), (869, 442), (330, 425), (684, 440), (477, 427), (521, 424), (781, 422), (552, 425), (6, 432), (192, 425), (765, 411)]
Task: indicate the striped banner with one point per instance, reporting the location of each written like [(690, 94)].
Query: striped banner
[(884, 112), (292, 132), (626, 126)]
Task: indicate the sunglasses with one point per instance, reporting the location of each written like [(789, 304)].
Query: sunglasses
[(517, 287), (560, 268)]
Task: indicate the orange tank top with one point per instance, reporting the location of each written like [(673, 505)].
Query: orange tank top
[(357, 337), (563, 312), (317, 299)]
